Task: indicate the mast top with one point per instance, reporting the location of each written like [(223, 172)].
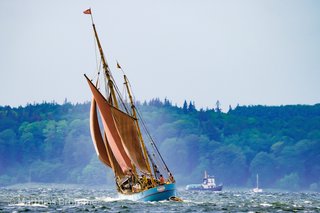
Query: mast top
[(88, 12)]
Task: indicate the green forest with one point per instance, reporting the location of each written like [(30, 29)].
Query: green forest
[(51, 143)]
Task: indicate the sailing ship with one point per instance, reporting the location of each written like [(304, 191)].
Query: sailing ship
[(209, 184), (139, 170), (257, 190)]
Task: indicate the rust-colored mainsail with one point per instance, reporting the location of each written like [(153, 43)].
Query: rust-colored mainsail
[(114, 163), (128, 131), (96, 135), (111, 132), (125, 128)]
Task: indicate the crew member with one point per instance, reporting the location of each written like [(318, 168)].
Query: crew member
[(161, 180)]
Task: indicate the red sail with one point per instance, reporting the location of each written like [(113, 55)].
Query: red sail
[(96, 135), (127, 129), (115, 165), (110, 129)]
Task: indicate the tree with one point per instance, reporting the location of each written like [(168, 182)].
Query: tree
[(289, 182), (265, 165), (191, 107), (227, 161), (218, 109), (185, 106), (8, 149), (54, 133)]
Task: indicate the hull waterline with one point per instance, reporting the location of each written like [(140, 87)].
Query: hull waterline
[(162, 192)]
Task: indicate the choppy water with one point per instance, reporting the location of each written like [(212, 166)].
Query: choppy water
[(65, 198)]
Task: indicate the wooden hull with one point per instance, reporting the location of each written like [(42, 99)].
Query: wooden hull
[(162, 192)]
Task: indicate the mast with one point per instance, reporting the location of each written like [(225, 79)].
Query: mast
[(134, 114), (105, 66), (142, 160), (257, 181)]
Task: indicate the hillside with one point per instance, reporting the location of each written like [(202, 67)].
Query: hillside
[(49, 142)]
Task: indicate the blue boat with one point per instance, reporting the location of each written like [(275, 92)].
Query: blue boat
[(161, 192), (208, 184), (140, 172)]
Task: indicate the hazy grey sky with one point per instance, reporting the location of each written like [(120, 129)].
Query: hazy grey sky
[(247, 52)]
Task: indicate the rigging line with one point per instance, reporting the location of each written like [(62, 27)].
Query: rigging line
[(119, 95), (98, 65), (162, 167), (124, 90), (99, 68), (153, 159), (125, 94), (146, 130), (118, 92), (95, 50), (99, 85), (129, 105), (97, 75), (158, 159), (102, 80), (134, 98), (106, 88), (153, 143), (124, 87), (155, 162)]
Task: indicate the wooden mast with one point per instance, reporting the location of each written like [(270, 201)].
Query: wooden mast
[(105, 67), (113, 100), (134, 114)]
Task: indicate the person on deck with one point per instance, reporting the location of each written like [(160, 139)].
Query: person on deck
[(161, 180), (156, 171), (171, 178), (144, 181), (130, 178)]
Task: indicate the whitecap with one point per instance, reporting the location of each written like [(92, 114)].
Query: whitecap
[(82, 201), (108, 199), (39, 205), (29, 204), (265, 204)]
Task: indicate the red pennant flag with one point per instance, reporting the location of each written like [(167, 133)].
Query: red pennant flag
[(88, 11)]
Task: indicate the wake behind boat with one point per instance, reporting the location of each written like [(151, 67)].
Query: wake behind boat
[(139, 170), (208, 184)]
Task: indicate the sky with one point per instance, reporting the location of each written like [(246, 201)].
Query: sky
[(257, 52)]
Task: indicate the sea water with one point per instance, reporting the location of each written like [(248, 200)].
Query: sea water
[(75, 198)]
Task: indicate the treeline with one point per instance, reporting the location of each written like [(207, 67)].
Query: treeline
[(49, 142)]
